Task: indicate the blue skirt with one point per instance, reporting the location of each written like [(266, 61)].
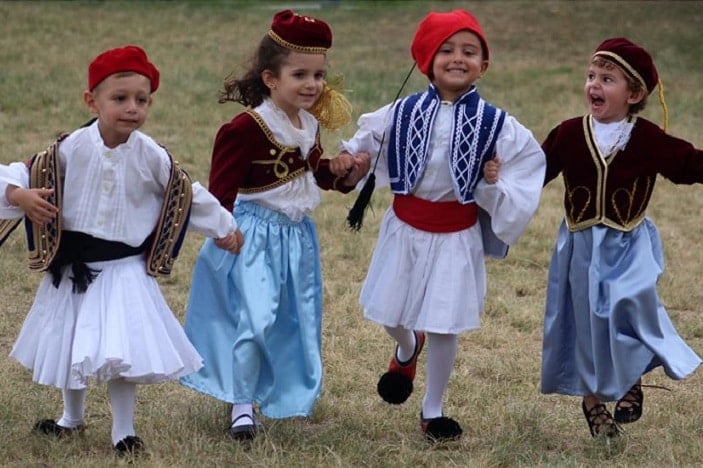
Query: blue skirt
[(255, 318), (604, 324)]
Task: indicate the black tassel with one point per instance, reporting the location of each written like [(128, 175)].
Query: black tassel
[(355, 218)]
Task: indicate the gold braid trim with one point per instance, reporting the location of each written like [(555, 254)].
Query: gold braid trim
[(45, 173), (172, 223), (289, 45)]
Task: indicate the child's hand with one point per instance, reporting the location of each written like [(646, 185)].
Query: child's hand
[(491, 169), (232, 242), (341, 164), (33, 202), (362, 164)]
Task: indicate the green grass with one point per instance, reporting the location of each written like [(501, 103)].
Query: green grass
[(539, 52)]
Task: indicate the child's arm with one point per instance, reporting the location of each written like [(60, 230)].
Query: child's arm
[(33, 203), (233, 242), (512, 199), (361, 166), (352, 168)]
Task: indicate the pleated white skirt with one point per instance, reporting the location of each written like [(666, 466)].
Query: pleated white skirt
[(435, 282), (121, 327)]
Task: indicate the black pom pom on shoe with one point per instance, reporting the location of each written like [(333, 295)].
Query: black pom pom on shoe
[(441, 429), (129, 446), (394, 388)]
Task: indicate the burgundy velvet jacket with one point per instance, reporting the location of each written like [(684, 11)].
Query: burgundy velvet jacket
[(247, 159), (615, 191)]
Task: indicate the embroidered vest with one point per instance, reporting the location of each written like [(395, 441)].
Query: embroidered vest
[(476, 125), (43, 241)]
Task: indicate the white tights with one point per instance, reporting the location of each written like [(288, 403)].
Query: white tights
[(441, 354), (122, 401)]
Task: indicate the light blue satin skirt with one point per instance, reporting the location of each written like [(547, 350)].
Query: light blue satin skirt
[(604, 324), (255, 318)]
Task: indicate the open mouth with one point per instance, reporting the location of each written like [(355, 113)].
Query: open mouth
[(597, 101)]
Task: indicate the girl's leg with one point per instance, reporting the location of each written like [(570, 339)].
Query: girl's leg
[(242, 414), (441, 354), (243, 426), (122, 401), (599, 419)]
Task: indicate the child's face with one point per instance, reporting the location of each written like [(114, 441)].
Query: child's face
[(121, 102), (298, 84), (608, 95), (457, 64)]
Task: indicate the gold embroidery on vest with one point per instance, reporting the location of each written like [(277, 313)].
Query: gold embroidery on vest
[(570, 193), (631, 213)]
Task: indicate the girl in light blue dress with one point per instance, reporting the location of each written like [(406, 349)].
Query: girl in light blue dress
[(256, 317)]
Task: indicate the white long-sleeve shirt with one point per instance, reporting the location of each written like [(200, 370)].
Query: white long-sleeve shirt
[(511, 202), (116, 193)]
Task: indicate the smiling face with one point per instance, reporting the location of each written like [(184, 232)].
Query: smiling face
[(457, 64), (121, 102), (608, 92), (298, 84)]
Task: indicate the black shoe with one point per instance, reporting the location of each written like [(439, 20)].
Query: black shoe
[(130, 445), (440, 429), (243, 431), (628, 409), (51, 427), (600, 421)]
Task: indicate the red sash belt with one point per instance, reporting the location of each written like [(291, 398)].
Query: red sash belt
[(431, 216)]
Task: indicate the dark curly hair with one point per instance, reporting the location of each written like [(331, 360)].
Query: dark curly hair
[(250, 89)]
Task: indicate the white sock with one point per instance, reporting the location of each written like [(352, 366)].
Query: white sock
[(73, 408), (441, 353), (239, 410), (406, 342), (122, 401)]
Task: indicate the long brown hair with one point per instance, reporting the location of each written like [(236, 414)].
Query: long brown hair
[(250, 89)]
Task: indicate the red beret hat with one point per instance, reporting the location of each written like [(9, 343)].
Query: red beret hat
[(122, 59), (435, 29), (633, 59), (300, 33)]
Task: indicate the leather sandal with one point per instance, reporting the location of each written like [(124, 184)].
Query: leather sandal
[(396, 385), (628, 409), (600, 421)]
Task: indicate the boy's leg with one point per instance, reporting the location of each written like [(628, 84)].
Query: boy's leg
[(122, 401), (441, 355), (73, 408)]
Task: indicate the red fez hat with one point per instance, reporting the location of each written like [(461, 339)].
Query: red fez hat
[(122, 59), (300, 33), (436, 28), (633, 59)]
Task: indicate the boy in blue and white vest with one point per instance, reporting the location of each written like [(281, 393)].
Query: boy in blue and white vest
[(427, 278)]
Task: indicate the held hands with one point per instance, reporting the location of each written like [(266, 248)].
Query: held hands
[(351, 168), (491, 169), (232, 242), (33, 202)]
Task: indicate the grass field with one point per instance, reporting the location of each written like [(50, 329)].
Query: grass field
[(539, 51)]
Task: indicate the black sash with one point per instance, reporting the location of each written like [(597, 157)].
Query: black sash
[(77, 249)]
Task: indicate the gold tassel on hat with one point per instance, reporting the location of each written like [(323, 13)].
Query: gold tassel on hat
[(332, 109), (663, 104)]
